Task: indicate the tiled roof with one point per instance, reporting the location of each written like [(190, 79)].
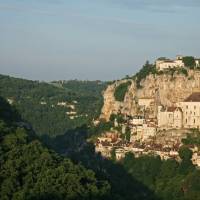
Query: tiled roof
[(172, 109), (194, 97)]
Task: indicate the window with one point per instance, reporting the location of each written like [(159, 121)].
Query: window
[(194, 107), (194, 113), (186, 107), (194, 121), (186, 121)]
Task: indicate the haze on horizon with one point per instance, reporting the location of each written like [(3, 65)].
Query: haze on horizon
[(93, 39)]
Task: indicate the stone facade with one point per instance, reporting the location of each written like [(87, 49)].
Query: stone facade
[(171, 117), (162, 64), (187, 115), (191, 111)]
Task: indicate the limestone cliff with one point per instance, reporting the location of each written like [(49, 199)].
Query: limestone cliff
[(166, 89)]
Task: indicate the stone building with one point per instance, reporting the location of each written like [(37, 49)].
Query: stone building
[(164, 63), (171, 117), (186, 115), (191, 111)]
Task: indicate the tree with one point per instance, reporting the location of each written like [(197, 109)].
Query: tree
[(169, 168), (144, 72), (186, 165), (128, 134), (120, 91), (191, 186), (189, 61), (185, 153), (28, 170), (113, 154)]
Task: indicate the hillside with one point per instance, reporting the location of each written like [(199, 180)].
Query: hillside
[(28, 170), (54, 108)]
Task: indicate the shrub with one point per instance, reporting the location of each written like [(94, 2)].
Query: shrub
[(189, 62), (144, 72), (121, 90), (183, 71)]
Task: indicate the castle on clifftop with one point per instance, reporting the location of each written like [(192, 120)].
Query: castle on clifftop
[(165, 63)]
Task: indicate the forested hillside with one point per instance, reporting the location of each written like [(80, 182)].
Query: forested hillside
[(54, 108), (30, 171)]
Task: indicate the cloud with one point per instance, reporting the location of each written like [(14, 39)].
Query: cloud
[(35, 7), (16, 9), (156, 5)]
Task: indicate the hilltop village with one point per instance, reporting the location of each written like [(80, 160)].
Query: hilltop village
[(151, 128)]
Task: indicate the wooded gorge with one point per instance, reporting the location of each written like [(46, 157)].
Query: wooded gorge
[(38, 166)]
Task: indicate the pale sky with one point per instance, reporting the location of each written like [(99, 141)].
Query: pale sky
[(93, 39)]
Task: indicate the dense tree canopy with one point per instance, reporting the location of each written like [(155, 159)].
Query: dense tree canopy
[(30, 171), (169, 179), (37, 102)]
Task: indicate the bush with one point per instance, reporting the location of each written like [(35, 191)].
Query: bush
[(189, 62), (183, 71), (144, 72), (121, 90)]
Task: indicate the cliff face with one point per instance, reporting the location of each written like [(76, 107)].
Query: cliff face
[(112, 106), (165, 89)]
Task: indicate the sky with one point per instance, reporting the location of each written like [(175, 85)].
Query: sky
[(93, 39)]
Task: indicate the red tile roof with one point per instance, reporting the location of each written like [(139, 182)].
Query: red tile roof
[(194, 97), (172, 109)]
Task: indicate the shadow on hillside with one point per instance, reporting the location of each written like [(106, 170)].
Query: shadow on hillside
[(73, 145), (8, 113)]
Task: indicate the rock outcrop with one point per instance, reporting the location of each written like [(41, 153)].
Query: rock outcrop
[(166, 89)]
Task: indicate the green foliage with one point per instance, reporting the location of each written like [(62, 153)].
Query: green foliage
[(166, 177), (193, 138), (185, 153), (30, 171), (169, 169), (120, 91), (51, 119), (189, 62), (100, 128), (113, 154), (183, 71), (186, 165), (8, 113), (112, 117), (144, 72), (128, 134), (191, 186), (119, 117)]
